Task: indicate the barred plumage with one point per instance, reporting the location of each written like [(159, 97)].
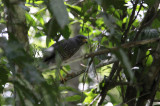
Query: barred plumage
[(66, 48)]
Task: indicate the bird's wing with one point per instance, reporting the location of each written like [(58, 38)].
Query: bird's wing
[(68, 48), (49, 54)]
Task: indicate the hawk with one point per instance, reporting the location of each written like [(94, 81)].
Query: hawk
[(65, 48)]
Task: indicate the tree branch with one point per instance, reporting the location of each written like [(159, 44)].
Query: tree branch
[(104, 51), (107, 84), (155, 88), (126, 45), (106, 63), (82, 71), (148, 19), (16, 27), (124, 37), (138, 11)]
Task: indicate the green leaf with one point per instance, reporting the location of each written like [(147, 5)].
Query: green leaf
[(39, 34), (148, 33), (3, 77), (90, 96), (67, 67), (118, 4), (31, 74), (150, 2), (109, 21), (115, 96), (16, 53), (156, 23), (99, 22), (39, 14), (68, 88), (121, 55), (149, 58), (73, 98), (126, 63), (51, 28), (26, 92), (30, 20), (75, 9), (65, 32), (157, 95), (58, 9)]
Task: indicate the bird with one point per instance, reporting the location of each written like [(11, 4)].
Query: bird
[(65, 48)]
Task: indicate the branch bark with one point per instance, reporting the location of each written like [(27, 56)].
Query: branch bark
[(103, 93), (17, 28)]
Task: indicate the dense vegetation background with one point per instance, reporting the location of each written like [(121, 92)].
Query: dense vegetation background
[(120, 64)]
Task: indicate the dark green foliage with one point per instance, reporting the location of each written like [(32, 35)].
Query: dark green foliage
[(3, 76), (118, 4), (150, 2), (119, 26), (58, 10), (52, 24)]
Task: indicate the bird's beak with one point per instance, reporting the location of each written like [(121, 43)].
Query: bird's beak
[(85, 41)]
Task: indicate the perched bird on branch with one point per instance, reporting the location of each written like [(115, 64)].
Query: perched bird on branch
[(65, 48)]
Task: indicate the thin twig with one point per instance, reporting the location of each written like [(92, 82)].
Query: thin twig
[(144, 24), (94, 100), (122, 89), (138, 11), (73, 76), (126, 45), (86, 72), (82, 71), (124, 37), (106, 63), (133, 99)]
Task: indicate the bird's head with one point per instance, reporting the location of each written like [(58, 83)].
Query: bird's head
[(81, 39)]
